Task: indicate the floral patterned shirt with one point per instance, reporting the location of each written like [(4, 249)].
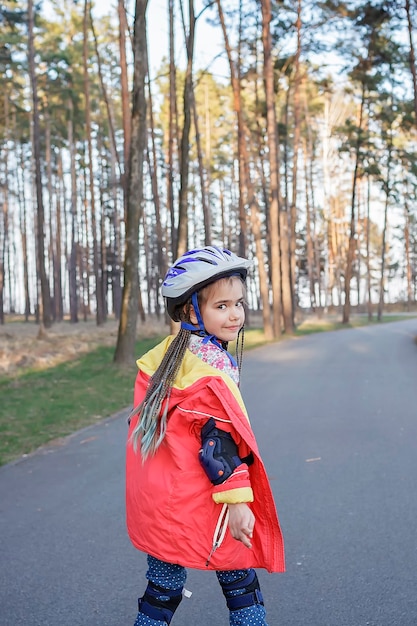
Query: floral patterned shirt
[(214, 356)]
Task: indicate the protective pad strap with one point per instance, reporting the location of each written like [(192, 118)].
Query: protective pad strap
[(251, 592), (218, 455), (159, 603)]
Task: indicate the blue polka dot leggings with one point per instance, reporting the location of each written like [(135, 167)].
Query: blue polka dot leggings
[(172, 577)]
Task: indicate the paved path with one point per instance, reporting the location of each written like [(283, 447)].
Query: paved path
[(336, 419)]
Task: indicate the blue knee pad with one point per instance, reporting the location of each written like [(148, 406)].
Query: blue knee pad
[(243, 592), (159, 603)]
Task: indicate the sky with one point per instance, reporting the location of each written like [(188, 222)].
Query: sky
[(208, 39)]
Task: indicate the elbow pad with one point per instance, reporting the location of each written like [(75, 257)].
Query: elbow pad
[(218, 455)]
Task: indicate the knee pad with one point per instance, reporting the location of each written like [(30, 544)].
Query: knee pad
[(243, 592), (159, 603)]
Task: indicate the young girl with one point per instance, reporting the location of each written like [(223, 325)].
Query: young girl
[(197, 494)]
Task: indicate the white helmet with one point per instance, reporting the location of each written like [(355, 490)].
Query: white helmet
[(197, 268)]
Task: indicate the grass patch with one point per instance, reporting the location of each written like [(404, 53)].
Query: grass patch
[(39, 406)]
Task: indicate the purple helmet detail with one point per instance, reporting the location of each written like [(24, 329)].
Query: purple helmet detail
[(197, 268)]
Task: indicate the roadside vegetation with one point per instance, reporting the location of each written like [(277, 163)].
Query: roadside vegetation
[(45, 402)]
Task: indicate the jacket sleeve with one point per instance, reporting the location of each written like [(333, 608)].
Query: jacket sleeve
[(235, 489), (224, 464)]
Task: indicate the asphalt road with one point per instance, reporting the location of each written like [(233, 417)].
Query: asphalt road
[(335, 415)]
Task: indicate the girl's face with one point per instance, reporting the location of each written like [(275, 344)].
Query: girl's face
[(221, 307)]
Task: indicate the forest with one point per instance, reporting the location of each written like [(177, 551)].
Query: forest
[(300, 154)]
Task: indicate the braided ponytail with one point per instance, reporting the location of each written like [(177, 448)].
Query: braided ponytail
[(152, 420)]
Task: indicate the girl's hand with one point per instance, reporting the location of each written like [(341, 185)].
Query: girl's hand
[(241, 523)]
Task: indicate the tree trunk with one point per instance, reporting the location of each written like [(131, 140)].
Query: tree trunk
[(3, 245), (115, 245), (97, 265), (85, 251), (171, 128), (58, 296), (246, 191), (203, 187), (72, 264), (46, 319), (368, 247), (407, 254), (20, 179), (126, 339), (104, 262), (293, 210), (104, 91), (311, 270), (412, 57), (160, 245), (126, 113), (384, 232), (185, 138), (352, 232), (274, 209), (237, 105), (245, 186)]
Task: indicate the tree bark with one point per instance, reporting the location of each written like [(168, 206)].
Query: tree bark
[(126, 113), (185, 137), (368, 247), (202, 175), (412, 57), (72, 264), (126, 339), (311, 270), (387, 186), (158, 246), (45, 296), (291, 279), (104, 91), (274, 209), (246, 191), (408, 268), (352, 232), (97, 264), (171, 128), (20, 179), (58, 295)]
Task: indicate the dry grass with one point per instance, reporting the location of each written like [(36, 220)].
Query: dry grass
[(22, 347)]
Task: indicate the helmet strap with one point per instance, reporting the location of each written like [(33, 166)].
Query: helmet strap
[(202, 331), (187, 325), (194, 300)]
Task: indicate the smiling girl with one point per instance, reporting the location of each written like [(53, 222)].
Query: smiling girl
[(197, 493)]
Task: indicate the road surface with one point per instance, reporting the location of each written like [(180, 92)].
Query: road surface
[(335, 416)]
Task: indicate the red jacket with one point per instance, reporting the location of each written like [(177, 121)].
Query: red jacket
[(172, 507)]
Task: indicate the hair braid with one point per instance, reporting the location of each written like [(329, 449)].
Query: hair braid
[(240, 341), (152, 420)]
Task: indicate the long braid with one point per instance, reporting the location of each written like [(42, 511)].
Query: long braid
[(152, 420), (240, 341)]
